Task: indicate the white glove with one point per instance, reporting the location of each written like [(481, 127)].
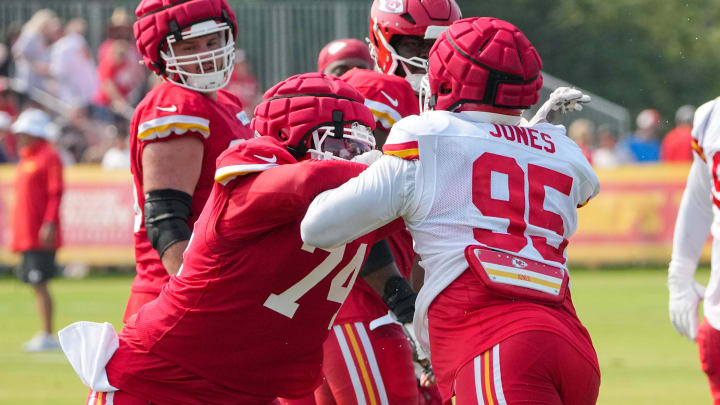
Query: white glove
[(684, 300), (563, 99), (368, 158)]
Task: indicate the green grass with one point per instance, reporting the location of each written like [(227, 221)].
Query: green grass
[(643, 360)]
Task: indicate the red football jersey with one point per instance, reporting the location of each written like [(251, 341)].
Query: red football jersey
[(389, 97), (252, 305), (169, 111)]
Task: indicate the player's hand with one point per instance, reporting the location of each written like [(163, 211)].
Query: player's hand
[(368, 158), (427, 378), (684, 299), (563, 100), (47, 235)]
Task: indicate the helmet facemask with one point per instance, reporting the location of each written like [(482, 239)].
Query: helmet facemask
[(355, 140), (206, 71)]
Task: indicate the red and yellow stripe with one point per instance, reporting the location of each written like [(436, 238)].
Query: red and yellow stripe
[(698, 149), (361, 362), (405, 150)]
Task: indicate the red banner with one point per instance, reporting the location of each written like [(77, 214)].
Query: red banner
[(96, 213), (632, 219)]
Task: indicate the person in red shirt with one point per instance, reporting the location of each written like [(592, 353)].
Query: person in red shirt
[(178, 130), (245, 319), (36, 216), (677, 144)]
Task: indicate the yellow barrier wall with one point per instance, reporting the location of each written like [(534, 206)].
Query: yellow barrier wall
[(96, 213), (631, 220)]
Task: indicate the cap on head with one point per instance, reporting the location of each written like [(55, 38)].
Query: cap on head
[(647, 119), (160, 23), (483, 60), (341, 49), (296, 107), (32, 122)]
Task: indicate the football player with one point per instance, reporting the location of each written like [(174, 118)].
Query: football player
[(178, 130), (491, 206), (245, 319), (697, 218)]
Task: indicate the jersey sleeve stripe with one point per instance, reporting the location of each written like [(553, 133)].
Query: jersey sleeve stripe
[(387, 115), (164, 126), (405, 150), (224, 174), (698, 149)]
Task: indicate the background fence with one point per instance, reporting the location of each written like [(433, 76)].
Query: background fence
[(280, 39)]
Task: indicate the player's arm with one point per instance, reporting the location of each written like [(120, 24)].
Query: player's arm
[(373, 199), (171, 170), (691, 231)]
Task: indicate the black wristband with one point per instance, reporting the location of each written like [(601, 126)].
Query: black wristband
[(400, 299), (380, 256), (166, 215)]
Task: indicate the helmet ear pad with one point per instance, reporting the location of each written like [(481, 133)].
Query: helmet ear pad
[(485, 61)]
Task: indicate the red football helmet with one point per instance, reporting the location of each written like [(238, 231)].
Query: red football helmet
[(390, 19), (316, 115), (162, 23), (350, 52), (483, 60)]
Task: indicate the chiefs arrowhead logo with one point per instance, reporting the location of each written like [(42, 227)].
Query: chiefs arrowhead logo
[(392, 6)]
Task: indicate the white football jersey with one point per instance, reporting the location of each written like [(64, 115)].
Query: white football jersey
[(699, 212), (460, 179)]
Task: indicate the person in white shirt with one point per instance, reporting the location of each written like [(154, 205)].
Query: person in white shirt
[(699, 216), (490, 204)]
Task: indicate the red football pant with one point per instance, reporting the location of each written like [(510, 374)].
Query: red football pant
[(136, 300), (708, 340), (533, 367), (367, 366)]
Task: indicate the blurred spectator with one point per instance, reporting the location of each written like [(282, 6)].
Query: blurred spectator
[(118, 156), (6, 156), (582, 132), (119, 28), (31, 50), (644, 145), (36, 216), (341, 55), (9, 99), (117, 78), (607, 154), (72, 66), (7, 62), (244, 84), (676, 145)]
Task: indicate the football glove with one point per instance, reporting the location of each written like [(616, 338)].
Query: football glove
[(684, 299), (563, 100)]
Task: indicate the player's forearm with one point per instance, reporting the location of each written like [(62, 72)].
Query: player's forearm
[(693, 222), (172, 258), (361, 205)]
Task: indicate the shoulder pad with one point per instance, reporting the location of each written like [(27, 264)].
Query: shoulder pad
[(701, 121), (252, 156), (172, 109), (390, 98)]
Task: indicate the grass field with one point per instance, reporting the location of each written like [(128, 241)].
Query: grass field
[(643, 360)]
